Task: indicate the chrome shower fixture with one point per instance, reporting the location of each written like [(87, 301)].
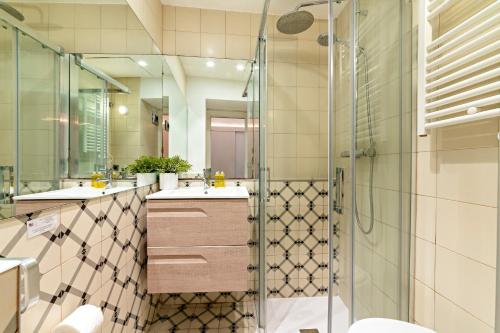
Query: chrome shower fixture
[(323, 40), (11, 11), (298, 20)]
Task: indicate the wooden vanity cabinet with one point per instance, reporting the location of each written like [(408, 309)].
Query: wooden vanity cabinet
[(197, 245)]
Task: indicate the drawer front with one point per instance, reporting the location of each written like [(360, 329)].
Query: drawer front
[(197, 269), (172, 223)]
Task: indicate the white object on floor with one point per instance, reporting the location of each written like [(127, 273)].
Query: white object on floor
[(382, 325), (198, 192), (73, 193), (85, 319), (285, 315)]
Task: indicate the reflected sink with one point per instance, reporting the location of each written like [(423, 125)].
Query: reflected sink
[(198, 192), (73, 193)]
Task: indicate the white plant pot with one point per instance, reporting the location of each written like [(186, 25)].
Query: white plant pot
[(169, 181), (144, 179)]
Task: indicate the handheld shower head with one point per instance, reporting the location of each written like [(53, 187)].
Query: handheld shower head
[(323, 40)]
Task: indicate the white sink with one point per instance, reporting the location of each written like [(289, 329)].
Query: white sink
[(382, 325), (198, 192), (73, 193)]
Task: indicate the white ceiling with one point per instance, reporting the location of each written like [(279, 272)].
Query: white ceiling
[(224, 68), (118, 66), (277, 7)]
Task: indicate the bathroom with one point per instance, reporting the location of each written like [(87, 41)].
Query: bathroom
[(249, 166)]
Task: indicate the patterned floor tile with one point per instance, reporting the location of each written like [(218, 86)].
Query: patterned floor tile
[(210, 317)]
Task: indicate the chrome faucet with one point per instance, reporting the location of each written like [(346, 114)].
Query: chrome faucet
[(206, 178), (108, 177)]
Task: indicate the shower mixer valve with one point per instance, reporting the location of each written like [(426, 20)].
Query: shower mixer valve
[(364, 152)]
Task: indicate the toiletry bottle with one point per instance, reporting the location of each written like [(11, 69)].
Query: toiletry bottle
[(217, 179), (222, 179)]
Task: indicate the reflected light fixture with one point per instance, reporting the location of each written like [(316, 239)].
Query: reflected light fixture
[(142, 63), (240, 67), (123, 110), (210, 64)]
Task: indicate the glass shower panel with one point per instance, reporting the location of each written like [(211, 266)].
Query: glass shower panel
[(341, 171), (8, 118), (38, 116), (379, 159)]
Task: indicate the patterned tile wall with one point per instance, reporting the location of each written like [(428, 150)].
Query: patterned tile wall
[(95, 256), (297, 239), (296, 245)]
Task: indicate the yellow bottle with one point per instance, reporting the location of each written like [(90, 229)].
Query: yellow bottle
[(222, 179), (217, 179)]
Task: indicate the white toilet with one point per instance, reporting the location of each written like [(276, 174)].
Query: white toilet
[(382, 325)]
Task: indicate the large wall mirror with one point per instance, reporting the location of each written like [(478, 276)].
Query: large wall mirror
[(72, 110)]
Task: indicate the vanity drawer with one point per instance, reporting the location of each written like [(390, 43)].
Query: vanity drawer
[(172, 223), (197, 269)]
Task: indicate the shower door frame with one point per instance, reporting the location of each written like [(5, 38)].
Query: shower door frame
[(404, 241)]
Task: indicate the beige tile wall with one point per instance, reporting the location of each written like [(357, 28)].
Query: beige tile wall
[(297, 104), (209, 33), (95, 255), (90, 28), (150, 14), (456, 221)]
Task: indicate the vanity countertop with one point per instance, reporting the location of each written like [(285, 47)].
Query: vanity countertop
[(198, 192), (73, 193)]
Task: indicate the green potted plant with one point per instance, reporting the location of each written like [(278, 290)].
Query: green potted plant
[(145, 168), (169, 169)]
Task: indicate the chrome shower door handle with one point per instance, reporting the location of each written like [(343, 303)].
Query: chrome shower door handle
[(268, 190), (339, 190)]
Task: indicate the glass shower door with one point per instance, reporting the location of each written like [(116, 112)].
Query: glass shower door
[(373, 144)]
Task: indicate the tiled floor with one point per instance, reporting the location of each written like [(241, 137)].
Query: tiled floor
[(206, 318)]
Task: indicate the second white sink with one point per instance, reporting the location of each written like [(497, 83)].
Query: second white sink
[(198, 192)]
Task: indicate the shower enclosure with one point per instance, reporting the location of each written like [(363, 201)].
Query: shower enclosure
[(330, 99), (32, 121)]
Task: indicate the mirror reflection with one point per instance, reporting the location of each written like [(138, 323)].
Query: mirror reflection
[(116, 112), (114, 109)]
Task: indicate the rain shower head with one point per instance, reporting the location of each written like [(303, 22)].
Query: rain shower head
[(298, 20), (295, 22), (11, 11)]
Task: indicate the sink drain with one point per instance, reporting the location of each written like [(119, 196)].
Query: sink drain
[(309, 330)]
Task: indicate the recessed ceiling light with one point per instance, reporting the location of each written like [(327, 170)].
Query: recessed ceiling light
[(240, 67), (123, 109), (210, 64), (142, 63)]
